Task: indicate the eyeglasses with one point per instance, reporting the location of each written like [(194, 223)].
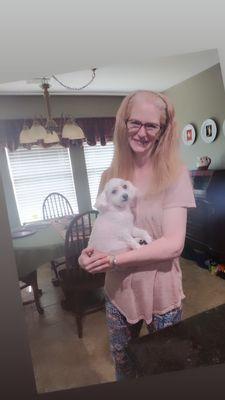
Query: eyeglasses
[(134, 126)]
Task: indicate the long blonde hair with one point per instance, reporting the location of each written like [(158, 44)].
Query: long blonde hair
[(164, 156)]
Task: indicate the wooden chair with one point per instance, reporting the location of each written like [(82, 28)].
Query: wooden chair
[(83, 292), (56, 205)]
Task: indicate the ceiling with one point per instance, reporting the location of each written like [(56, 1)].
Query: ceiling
[(148, 45), (158, 74)]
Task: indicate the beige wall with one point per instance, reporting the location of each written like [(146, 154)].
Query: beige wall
[(8, 190), (17, 376), (195, 100), (76, 105)]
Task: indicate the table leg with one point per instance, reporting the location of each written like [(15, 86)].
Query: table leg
[(31, 280)]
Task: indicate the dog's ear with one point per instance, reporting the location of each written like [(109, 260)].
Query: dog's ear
[(101, 202)]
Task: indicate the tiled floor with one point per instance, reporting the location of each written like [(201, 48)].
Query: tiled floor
[(61, 360)]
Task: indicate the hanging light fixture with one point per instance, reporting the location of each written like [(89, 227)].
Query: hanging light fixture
[(51, 127), (72, 131), (49, 134), (37, 131), (26, 137)]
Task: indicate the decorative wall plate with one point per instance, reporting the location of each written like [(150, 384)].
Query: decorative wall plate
[(223, 127), (208, 130), (188, 135)]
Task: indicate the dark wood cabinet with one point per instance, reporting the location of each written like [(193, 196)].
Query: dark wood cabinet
[(206, 223)]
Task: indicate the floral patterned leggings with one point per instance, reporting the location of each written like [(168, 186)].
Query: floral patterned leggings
[(120, 332)]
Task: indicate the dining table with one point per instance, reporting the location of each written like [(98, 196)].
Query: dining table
[(44, 241)]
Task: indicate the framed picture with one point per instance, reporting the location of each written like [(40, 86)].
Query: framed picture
[(188, 135), (208, 131)]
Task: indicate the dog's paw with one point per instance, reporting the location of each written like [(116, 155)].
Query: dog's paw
[(136, 245), (142, 241), (137, 239), (147, 238)]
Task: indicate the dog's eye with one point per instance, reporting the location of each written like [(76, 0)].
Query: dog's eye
[(124, 186), (114, 191)]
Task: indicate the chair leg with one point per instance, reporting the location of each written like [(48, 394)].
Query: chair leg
[(55, 281), (36, 292), (79, 321)]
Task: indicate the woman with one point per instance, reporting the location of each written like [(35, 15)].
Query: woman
[(145, 284)]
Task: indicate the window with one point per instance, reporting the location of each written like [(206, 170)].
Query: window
[(97, 158), (37, 172)]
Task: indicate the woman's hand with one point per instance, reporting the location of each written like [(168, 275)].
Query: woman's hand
[(94, 261)]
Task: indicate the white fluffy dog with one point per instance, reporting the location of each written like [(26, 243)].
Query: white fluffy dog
[(114, 229)]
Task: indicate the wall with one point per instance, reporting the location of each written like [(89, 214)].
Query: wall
[(195, 100), (80, 179), (17, 376), (9, 193), (12, 107)]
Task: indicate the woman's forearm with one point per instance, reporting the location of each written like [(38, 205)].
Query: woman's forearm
[(159, 250)]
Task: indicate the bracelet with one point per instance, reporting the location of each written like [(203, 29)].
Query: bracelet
[(113, 261)]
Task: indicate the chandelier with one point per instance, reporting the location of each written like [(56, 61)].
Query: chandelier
[(50, 132)]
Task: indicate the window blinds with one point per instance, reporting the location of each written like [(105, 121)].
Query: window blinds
[(37, 172), (97, 158)]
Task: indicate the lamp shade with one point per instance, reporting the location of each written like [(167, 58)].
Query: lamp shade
[(72, 131), (51, 138), (37, 131), (26, 136)]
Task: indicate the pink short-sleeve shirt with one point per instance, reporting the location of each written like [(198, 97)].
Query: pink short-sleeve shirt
[(140, 292)]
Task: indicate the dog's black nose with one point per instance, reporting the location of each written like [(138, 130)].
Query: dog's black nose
[(125, 196)]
